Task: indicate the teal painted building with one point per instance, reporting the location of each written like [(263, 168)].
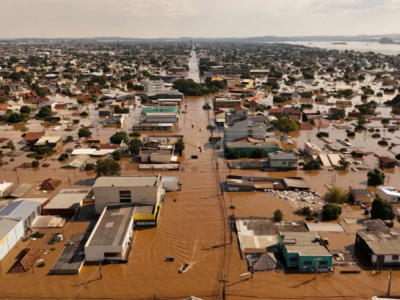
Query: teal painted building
[(248, 148), (159, 109), (302, 249)]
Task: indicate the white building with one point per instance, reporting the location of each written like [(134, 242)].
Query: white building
[(127, 189), (388, 193), (111, 236), (28, 210), (11, 230), (4, 186), (151, 86), (311, 149)]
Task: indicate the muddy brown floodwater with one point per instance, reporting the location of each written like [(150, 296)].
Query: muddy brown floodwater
[(193, 229)]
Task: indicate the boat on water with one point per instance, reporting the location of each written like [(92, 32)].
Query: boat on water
[(184, 268)]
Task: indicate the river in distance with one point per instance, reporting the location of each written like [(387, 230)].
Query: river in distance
[(388, 49)]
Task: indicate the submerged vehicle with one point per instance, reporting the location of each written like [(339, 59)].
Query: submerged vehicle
[(184, 268)]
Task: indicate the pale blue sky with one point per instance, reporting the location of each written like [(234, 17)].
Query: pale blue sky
[(196, 18)]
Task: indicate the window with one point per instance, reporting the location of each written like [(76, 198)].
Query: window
[(284, 163), (323, 263), (125, 196), (307, 262), (112, 254), (395, 257), (293, 259)]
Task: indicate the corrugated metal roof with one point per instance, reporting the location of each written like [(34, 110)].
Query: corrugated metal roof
[(6, 225), (18, 190), (126, 181), (67, 199), (19, 208), (76, 162)]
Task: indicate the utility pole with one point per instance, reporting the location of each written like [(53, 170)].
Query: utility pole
[(390, 282), (224, 286), (100, 269), (316, 269)]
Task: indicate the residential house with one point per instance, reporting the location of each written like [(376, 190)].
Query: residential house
[(302, 250), (388, 193), (379, 244), (291, 111), (283, 161), (54, 142), (386, 162), (49, 184), (32, 137), (225, 102), (363, 196), (276, 112)]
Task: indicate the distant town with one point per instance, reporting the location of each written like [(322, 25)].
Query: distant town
[(198, 169)]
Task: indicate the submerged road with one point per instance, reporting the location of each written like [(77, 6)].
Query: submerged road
[(193, 67)]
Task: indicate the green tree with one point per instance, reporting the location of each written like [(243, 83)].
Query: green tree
[(179, 146), (285, 125), (25, 109), (35, 164), (344, 164), (331, 212), (10, 145), (44, 112), (107, 167), (119, 137), (135, 145), (312, 165), (376, 177), (278, 215), (117, 155), (84, 132), (336, 194), (15, 118), (381, 209)]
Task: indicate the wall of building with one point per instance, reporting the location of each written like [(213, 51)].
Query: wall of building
[(161, 119), (388, 259), (364, 198), (11, 239), (387, 197), (143, 194)]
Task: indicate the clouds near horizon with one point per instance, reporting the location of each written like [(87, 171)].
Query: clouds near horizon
[(196, 18)]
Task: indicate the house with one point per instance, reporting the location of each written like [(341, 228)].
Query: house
[(294, 118), (276, 112), (4, 186), (49, 184), (304, 250), (388, 193), (28, 210), (127, 189), (311, 149), (363, 196), (11, 231), (248, 149), (291, 111), (66, 203), (357, 154), (52, 119), (52, 142), (220, 117), (26, 259), (379, 244), (386, 162), (32, 137), (282, 161)]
